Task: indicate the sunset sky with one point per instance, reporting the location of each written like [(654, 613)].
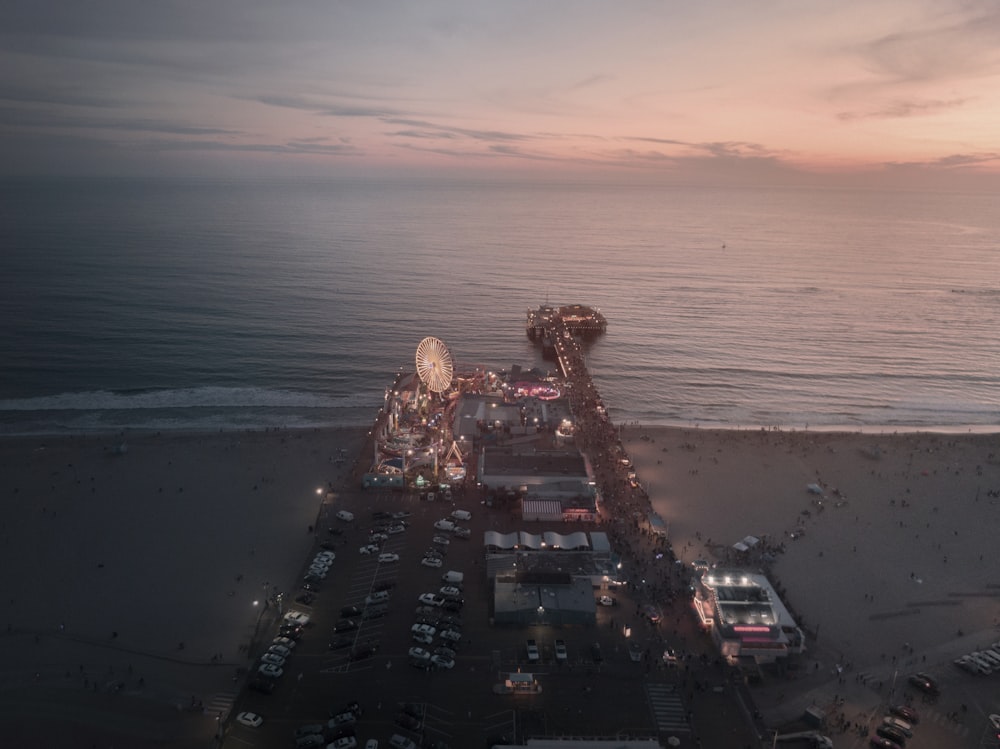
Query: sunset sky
[(876, 92)]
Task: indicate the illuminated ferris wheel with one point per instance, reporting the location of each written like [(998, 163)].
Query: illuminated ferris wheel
[(434, 365)]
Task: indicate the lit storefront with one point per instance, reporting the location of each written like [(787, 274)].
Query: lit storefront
[(746, 617)]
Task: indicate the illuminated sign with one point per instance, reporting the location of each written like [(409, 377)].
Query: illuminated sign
[(745, 628)]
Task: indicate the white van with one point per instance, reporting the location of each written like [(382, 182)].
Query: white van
[(452, 577), (462, 515)]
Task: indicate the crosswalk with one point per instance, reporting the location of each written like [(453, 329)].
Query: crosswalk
[(220, 704), (667, 707)]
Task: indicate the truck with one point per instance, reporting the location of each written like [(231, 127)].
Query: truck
[(533, 654)]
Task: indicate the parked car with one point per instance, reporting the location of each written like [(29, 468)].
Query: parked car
[(595, 652), (431, 562), (453, 604), (905, 712), (440, 541), (891, 733), (882, 743), (406, 721), (345, 625), (450, 591), (346, 516), (311, 729), (422, 637), (305, 598), (375, 611), (444, 652), (560, 649), (607, 601), (430, 599), (251, 720), (284, 642), (400, 515), (290, 631), (401, 742), (296, 618), (444, 525), (533, 655), (441, 661), (318, 573), (387, 558), (424, 628), (307, 742), (377, 538), (348, 611), (279, 650), (451, 635), (370, 549), (395, 529), (461, 532), (341, 642), (383, 585), (364, 651), (270, 670), (344, 742), (272, 658), (380, 515)]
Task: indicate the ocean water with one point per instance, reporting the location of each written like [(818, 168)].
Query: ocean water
[(212, 304)]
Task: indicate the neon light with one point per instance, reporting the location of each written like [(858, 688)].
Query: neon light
[(744, 628)]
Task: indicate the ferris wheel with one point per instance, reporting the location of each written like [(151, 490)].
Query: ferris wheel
[(434, 365)]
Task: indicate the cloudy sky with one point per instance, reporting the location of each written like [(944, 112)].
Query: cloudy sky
[(748, 90)]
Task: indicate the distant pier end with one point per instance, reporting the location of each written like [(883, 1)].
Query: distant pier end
[(549, 324)]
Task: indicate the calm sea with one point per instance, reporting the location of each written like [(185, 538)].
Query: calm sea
[(201, 304)]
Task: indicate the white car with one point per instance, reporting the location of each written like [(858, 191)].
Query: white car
[(296, 618), (269, 669), (345, 742), (401, 742), (431, 599), (426, 628), (346, 516), (431, 562), (395, 529), (320, 572), (249, 719), (441, 661), (440, 541), (386, 558), (325, 555), (422, 637), (444, 525), (323, 562), (451, 635), (273, 658), (451, 591), (419, 654), (377, 538), (607, 601), (370, 549)]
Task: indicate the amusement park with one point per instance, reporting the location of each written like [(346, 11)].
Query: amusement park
[(433, 418)]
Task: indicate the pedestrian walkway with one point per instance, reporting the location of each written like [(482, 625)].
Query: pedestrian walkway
[(220, 704), (667, 708), (940, 719)]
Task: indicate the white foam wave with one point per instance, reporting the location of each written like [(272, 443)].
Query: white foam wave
[(199, 397)]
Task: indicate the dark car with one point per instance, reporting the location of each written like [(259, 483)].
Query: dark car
[(924, 683), (262, 685), (453, 622), (412, 709), (335, 531), (350, 707), (375, 612), (364, 651), (383, 585), (340, 643), (454, 604), (380, 515), (348, 611), (305, 598), (310, 587), (311, 578), (291, 631), (308, 730), (883, 743), (892, 733), (905, 712), (345, 625), (407, 721), (595, 652), (328, 545)]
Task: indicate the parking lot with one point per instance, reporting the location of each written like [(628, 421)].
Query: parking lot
[(457, 706)]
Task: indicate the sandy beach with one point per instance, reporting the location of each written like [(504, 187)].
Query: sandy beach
[(141, 569), (890, 566), (132, 575)]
